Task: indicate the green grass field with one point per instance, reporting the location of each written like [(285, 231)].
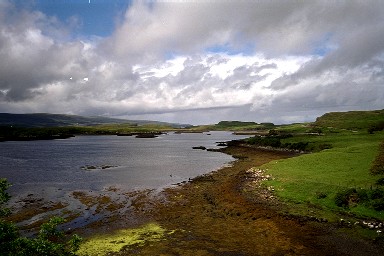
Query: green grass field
[(314, 179)]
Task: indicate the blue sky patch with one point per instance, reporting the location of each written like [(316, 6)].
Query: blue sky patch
[(94, 17)]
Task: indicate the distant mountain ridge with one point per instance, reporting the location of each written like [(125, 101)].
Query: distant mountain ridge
[(55, 120)]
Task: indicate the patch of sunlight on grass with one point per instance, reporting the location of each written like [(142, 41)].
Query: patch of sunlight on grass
[(99, 245)]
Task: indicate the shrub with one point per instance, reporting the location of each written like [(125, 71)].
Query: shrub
[(325, 146), (377, 199), (298, 146), (342, 198), (376, 127), (373, 198), (378, 204), (376, 193), (362, 195), (265, 141), (380, 182)]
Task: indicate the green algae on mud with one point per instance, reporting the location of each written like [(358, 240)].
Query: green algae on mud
[(114, 242)]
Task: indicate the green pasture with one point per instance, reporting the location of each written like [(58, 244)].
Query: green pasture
[(314, 179)]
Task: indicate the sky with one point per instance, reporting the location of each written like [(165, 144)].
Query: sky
[(196, 62)]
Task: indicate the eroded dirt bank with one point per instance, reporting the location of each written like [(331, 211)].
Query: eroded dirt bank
[(214, 215)]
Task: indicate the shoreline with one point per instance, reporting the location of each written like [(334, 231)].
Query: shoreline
[(220, 213), (217, 214)]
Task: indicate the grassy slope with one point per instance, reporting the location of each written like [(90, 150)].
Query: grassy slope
[(302, 179), (351, 120)]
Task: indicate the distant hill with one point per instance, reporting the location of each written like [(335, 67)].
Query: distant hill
[(236, 126), (55, 120), (351, 119)]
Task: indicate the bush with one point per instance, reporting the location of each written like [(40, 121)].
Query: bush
[(275, 142), (9, 237), (380, 182), (346, 197), (363, 195), (376, 127), (265, 141), (373, 198), (376, 193), (378, 204), (301, 146), (376, 197), (325, 146)]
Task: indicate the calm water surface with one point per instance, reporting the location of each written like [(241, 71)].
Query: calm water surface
[(56, 165)]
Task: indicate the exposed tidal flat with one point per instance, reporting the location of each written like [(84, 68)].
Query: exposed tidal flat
[(67, 177), (235, 210)]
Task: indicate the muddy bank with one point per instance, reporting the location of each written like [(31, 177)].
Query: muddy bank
[(218, 214)]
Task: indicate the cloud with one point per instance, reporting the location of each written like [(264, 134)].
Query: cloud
[(198, 61), (288, 27), (31, 59), (359, 49)]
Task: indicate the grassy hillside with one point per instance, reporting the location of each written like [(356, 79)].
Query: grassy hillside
[(351, 120), (335, 181), (340, 177), (315, 179)]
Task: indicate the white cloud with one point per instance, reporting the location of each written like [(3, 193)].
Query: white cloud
[(263, 60)]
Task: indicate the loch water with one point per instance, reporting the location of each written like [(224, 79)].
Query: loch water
[(129, 163)]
